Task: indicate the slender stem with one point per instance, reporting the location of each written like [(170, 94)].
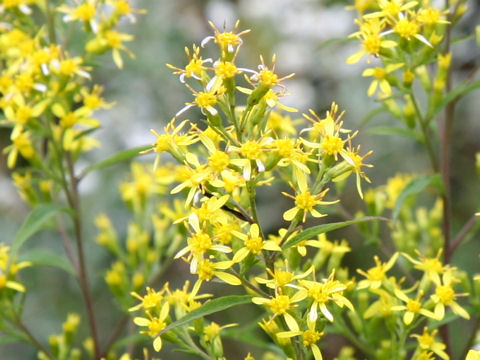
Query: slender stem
[(445, 171), (426, 136), (33, 340), (192, 346), (82, 268), (248, 284), (462, 233), (471, 339), (67, 245), (52, 37), (115, 334)]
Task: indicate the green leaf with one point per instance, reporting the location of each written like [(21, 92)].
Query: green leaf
[(116, 158), (210, 307), (415, 187), (132, 339), (8, 339), (392, 130), (34, 222), (333, 41), (41, 257), (462, 89), (371, 115), (310, 233)]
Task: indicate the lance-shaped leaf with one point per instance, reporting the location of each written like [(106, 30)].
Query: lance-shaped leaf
[(310, 233), (116, 158), (42, 257), (415, 187), (210, 307), (34, 222)]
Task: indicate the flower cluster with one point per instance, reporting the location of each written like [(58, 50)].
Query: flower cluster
[(222, 161)]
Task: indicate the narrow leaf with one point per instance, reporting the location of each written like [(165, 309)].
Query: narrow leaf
[(392, 130), (310, 233), (415, 187), (210, 307), (42, 257), (116, 158), (372, 114), (132, 339), (8, 339), (34, 222), (462, 89)]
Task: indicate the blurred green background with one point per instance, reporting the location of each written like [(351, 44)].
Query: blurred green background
[(148, 95)]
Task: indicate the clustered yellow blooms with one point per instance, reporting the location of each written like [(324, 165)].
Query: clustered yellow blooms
[(46, 97), (399, 37), (221, 162), (9, 268)]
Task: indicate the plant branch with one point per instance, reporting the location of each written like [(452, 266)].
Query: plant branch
[(462, 233), (33, 340), (82, 268)]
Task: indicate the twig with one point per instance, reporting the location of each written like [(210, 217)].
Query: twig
[(462, 233), (82, 268)]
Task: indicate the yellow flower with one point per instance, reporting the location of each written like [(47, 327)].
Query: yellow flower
[(432, 267), (212, 331), (152, 299), (195, 67), (426, 341), (412, 307), (254, 244), (280, 278), (376, 275), (355, 160), (445, 296), (310, 337), (322, 293), (154, 325), (305, 201), (473, 355), (171, 141), (227, 40), (280, 305), (380, 78), (84, 11), (199, 243), (370, 35)]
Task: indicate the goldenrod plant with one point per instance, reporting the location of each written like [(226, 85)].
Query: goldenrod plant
[(195, 204)]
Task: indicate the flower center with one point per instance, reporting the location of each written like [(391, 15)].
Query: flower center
[(254, 244), (318, 293), (305, 201), (445, 294), (200, 243), (406, 28), (332, 144), (225, 69), (251, 150), (280, 304), (268, 78), (84, 12), (371, 44), (205, 270), (413, 305), (310, 337), (218, 161), (205, 99)]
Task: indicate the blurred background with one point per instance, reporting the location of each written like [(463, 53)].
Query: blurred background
[(309, 39)]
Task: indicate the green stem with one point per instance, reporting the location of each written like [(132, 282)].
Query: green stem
[(445, 171), (31, 338), (426, 136), (49, 14), (82, 267), (343, 329)]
